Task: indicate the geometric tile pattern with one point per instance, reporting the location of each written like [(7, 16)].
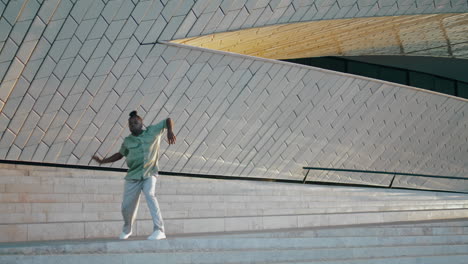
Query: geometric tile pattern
[(207, 17), (71, 71), (441, 35)]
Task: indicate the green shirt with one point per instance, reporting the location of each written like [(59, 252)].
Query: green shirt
[(142, 152)]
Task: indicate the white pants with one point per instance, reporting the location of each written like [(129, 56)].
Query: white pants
[(131, 199)]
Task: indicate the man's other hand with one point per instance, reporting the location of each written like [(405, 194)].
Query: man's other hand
[(171, 137), (97, 159)]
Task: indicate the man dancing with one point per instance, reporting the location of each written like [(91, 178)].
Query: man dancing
[(141, 149)]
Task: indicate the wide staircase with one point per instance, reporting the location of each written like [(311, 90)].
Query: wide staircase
[(62, 215)]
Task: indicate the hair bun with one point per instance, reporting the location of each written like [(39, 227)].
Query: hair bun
[(133, 113)]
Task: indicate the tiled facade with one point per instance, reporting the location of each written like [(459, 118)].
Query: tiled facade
[(71, 71)]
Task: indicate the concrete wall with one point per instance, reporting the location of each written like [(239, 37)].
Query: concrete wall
[(44, 203)]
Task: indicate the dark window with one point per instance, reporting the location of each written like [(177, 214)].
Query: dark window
[(324, 63), (363, 69), (444, 86), (463, 89), (421, 80), (393, 75)]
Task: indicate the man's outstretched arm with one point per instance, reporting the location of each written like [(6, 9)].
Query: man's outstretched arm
[(117, 156), (170, 132)]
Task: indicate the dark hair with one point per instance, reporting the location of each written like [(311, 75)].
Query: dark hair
[(134, 114)]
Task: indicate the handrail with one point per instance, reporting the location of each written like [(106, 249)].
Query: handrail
[(208, 176), (386, 172), (382, 172)]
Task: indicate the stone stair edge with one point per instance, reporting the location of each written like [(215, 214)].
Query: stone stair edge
[(51, 188), (213, 240), (94, 216), (453, 258), (270, 229), (228, 204), (108, 249), (116, 225), (271, 215)]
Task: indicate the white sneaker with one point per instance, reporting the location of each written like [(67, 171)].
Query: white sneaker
[(157, 235), (124, 236)]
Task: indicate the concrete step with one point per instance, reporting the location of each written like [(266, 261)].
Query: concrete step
[(99, 229), (453, 259), (239, 258), (56, 204), (425, 228), (76, 193), (76, 181), (60, 212), (463, 222), (194, 244), (18, 186), (202, 250), (40, 203)]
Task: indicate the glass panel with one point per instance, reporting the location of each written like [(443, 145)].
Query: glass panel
[(393, 75), (421, 80), (402, 76), (329, 63), (444, 86), (363, 69), (463, 89), (323, 62)]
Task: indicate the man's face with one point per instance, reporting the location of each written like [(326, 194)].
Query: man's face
[(135, 124)]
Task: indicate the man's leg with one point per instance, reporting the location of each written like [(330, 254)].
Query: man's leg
[(149, 189), (131, 199)]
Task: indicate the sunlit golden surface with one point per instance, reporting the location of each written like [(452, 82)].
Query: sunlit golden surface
[(440, 35)]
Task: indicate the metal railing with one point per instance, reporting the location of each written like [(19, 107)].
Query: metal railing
[(394, 174)]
